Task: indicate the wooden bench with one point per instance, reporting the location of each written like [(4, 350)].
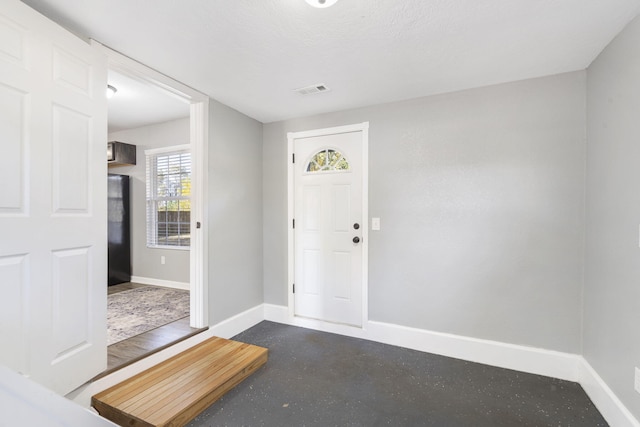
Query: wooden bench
[(175, 391)]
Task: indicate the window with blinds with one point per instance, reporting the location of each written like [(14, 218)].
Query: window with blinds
[(169, 197)]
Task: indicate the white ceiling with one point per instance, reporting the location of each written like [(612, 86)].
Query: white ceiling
[(137, 104), (251, 54)]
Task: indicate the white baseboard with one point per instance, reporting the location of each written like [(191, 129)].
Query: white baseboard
[(160, 282), (510, 356), (611, 408), (566, 366), (276, 313), (518, 357), (238, 323)]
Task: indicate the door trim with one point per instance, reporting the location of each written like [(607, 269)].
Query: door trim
[(199, 136), (291, 136)]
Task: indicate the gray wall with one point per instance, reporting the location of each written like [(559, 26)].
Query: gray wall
[(481, 199), (146, 261), (612, 285), (235, 212)]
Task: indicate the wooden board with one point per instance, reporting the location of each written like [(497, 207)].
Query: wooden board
[(175, 391)]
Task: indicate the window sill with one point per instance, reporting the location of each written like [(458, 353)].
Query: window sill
[(175, 248)]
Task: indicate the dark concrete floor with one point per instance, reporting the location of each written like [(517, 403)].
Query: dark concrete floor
[(319, 379)]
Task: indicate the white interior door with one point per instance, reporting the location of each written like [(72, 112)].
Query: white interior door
[(52, 201), (328, 228)]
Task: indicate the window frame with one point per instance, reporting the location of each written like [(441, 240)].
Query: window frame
[(151, 199)]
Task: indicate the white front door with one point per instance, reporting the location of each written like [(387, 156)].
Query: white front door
[(328, 232), (52, 201)]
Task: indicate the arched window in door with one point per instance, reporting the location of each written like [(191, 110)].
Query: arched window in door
[(327, 160)]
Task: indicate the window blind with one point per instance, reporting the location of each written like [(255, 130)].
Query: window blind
[(169, 199)]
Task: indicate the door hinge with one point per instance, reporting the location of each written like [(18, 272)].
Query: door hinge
[(294, 223), (293, 157), (294, 288)]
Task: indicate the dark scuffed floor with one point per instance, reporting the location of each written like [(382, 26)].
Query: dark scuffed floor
[(319, 379)]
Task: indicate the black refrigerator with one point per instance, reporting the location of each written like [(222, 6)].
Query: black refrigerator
[(119, 229)]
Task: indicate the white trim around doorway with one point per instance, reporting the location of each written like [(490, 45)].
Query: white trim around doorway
[(291, 136), (199, 129)]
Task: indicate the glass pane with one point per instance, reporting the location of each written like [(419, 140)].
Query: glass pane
[(321, 159), (173, 212), (327, 160), (342, 164), (173, 222), (185, 184), (172, 172)]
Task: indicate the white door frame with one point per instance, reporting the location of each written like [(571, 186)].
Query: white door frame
[(199, 130), (291, 136)]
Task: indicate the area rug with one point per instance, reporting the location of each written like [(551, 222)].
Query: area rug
[(135, 311)]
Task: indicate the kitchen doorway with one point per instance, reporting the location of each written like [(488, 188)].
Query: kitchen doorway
[(172, 114)]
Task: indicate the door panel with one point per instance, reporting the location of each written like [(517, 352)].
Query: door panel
[(12, 149), (340, 276), (53, 215), (311, 264), (70, 301), (13, 311), (71, 148), (12, 41), (312, 207), (341, 208), (328, 201), (71, 72)]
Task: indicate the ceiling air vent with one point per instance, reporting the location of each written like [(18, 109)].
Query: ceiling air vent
[(308, 90)]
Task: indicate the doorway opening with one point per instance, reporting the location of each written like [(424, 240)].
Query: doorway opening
[(165, 299)]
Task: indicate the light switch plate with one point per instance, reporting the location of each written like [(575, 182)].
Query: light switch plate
[(375, 224)]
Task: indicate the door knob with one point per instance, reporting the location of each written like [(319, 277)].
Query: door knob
[(356, 226), (356, 239)]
